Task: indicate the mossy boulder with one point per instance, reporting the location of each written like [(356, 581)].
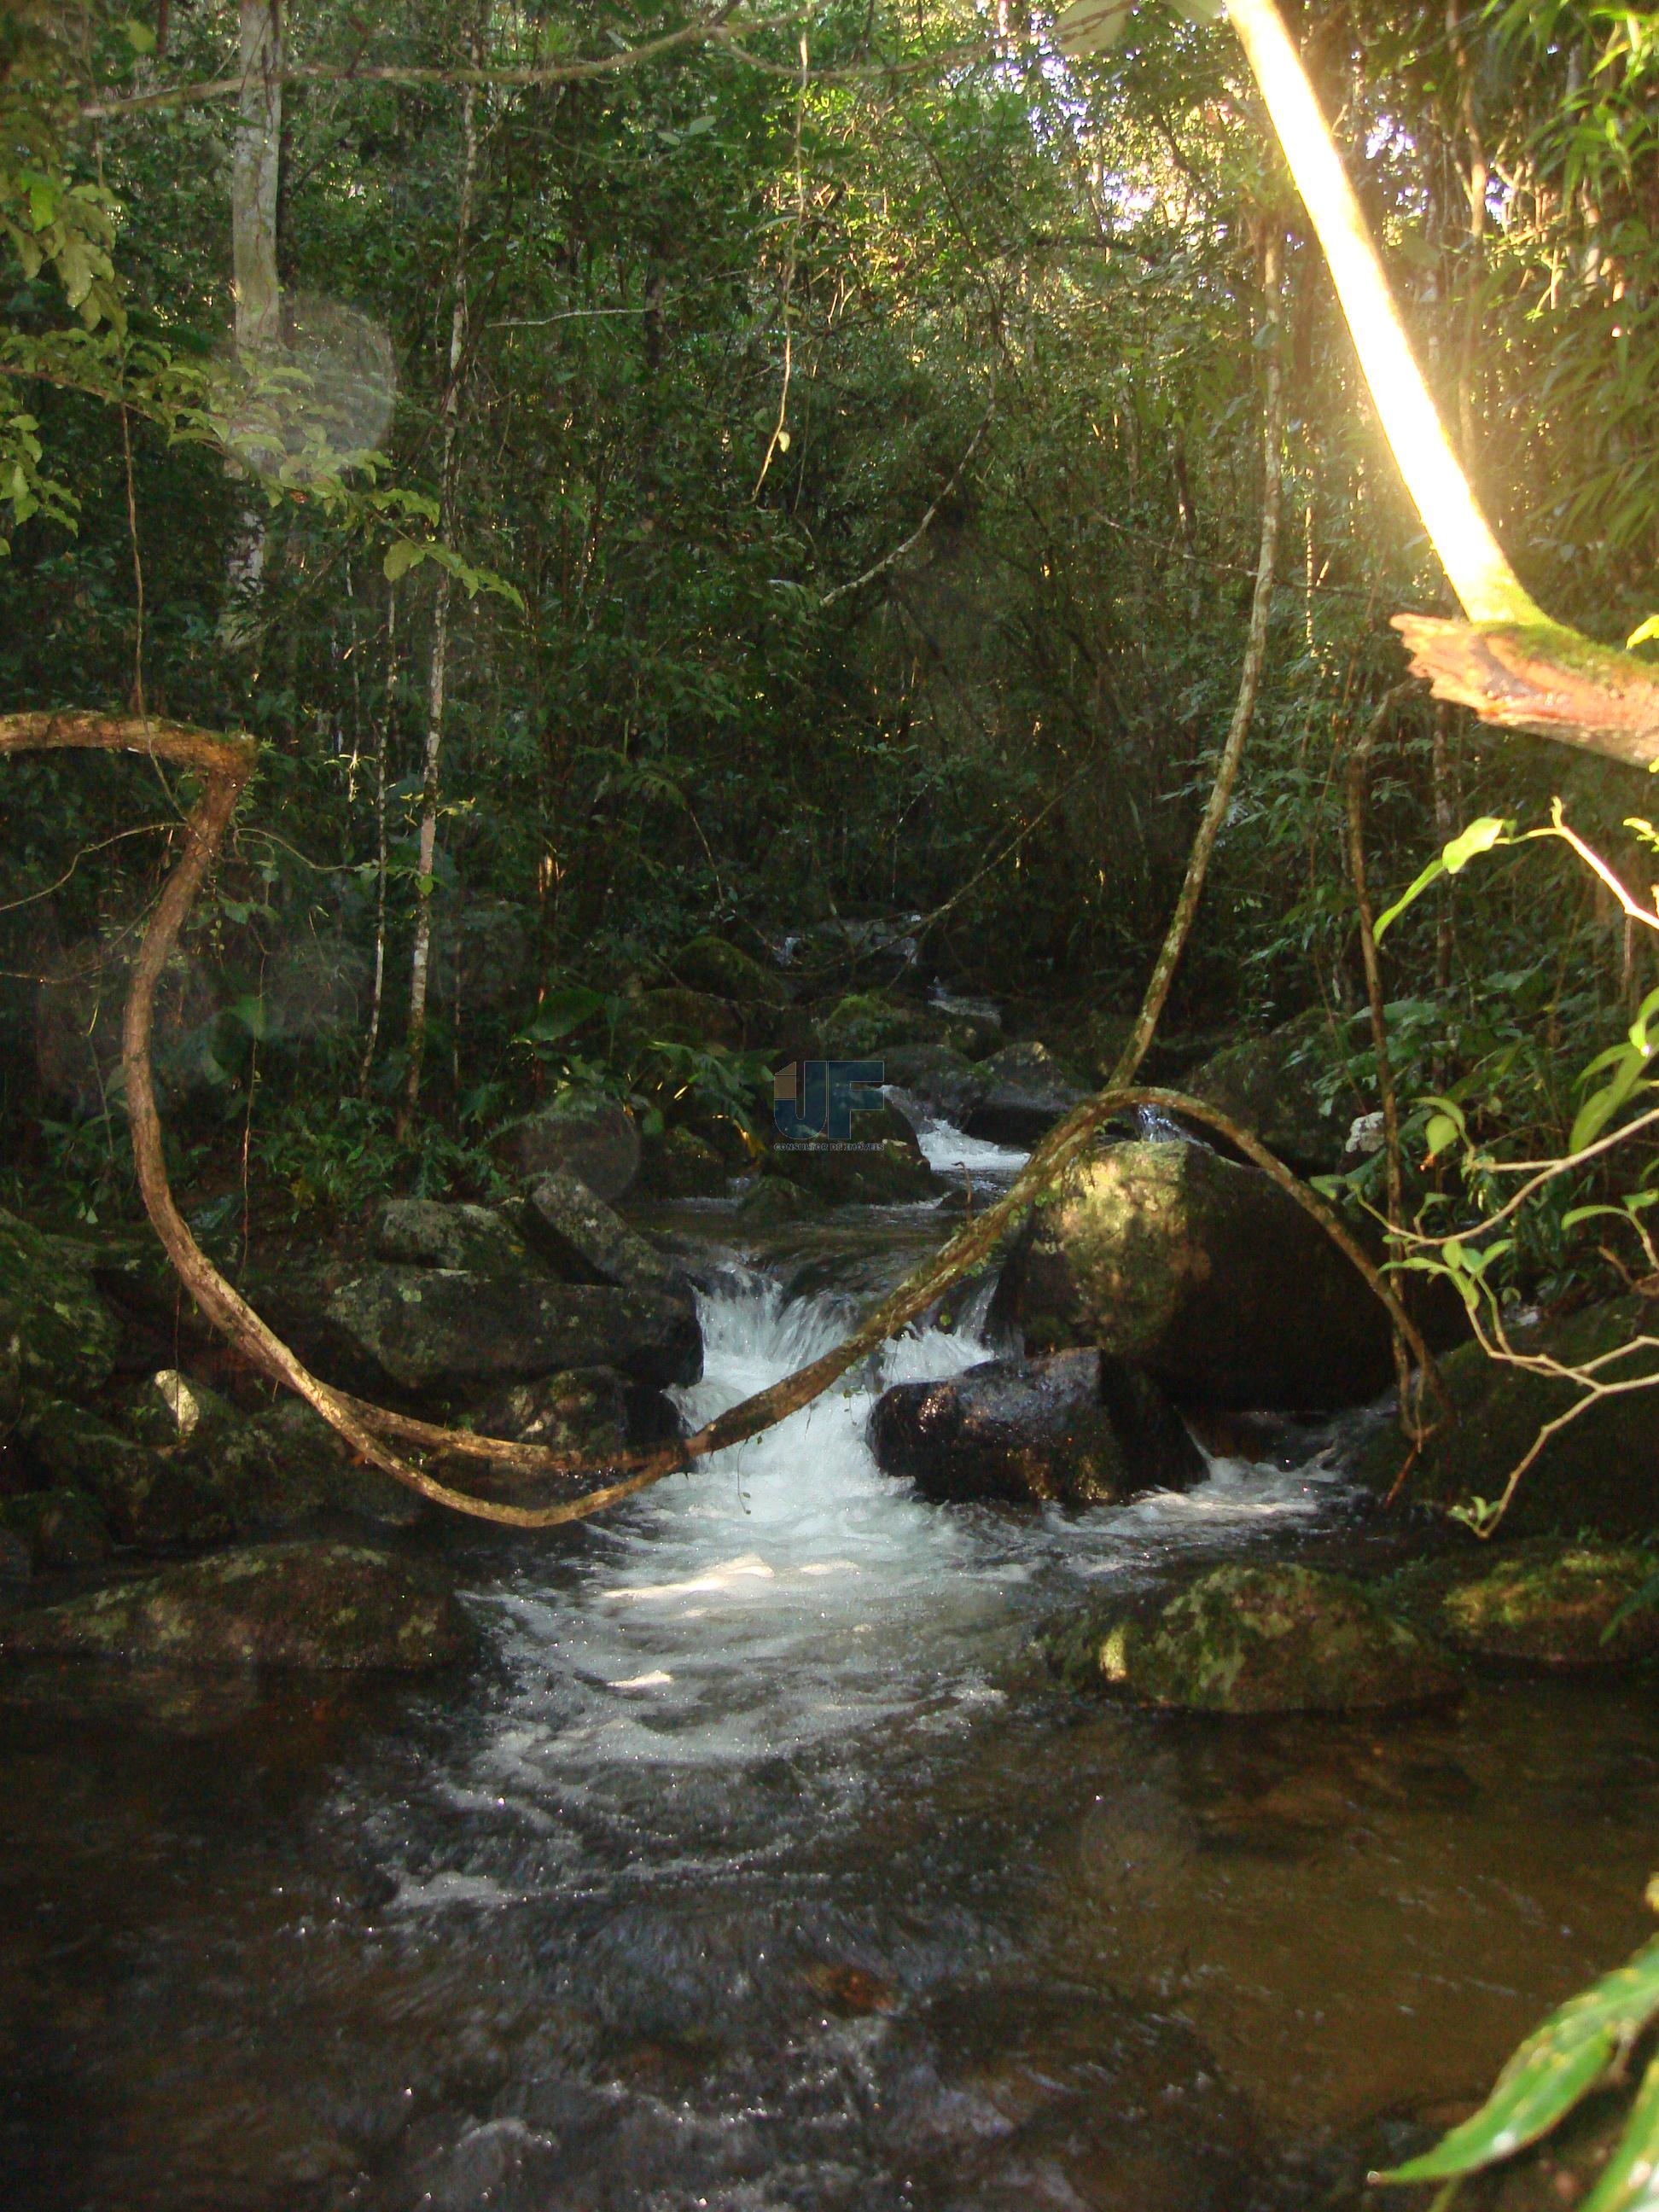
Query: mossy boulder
[(881, 1164), (772, 1202), (582, 1241), (1270, 1085), (60, 1527), (589, 1133), (1599, 1473), (678, 1015), (681, 1163), (938, 1074), (713, 965), (426, 1232), (1020, 1092), (1544, 1604), (55, 1333), (863, 1024), (433, 1331), (311, 1605), (1077, 1427), (1267, 1639), (1203, 1271)]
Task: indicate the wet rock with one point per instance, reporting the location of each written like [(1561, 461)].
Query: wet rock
[(1203, 1271), (710, 964), (1076, 1426), (1599, 1473), (55, 1333), (423, 1232), (1270, 1085), (57, 1527), (772, 1202), (680, 1164), (1544, 1605), (434, 1330), (1272, 1639), (1020, 1093), (147, 1500), (586, 1133), (322, 1605), (584, 1242)]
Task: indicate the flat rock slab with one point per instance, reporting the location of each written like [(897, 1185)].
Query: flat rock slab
[(323, 1605), (1270, 1639), (584, 1242), (428, 1232), (1077, 1427)]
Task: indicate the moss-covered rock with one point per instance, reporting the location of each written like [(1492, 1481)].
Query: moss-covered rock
[(425, 1232), (55, 1333), (1543, 1604), (1203, 1271), (863, 1023), (585, 1411), (1020, 1092), (433, 1332), (710, 964), (1269, 1639), (1599, 1473), (1270, 1085), (61, 1528), (579, 1237), (322, 1605), (772, 1202), (681, 1163), (1076, 1427), (589, 1133), (938, 1074), (882, 1165)]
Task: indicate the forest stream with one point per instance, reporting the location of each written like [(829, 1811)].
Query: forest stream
[(756, 1866)]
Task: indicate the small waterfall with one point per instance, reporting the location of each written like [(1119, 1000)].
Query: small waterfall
[(1158, 1128)]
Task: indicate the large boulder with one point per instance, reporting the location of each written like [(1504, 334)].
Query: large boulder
[(1600, 1473), (680, 1163), (1270, 1085), (431, 1332), (579, 1237), (864, 1024), (314, 1605), (1020, 1092), (593, 1410), (59, 1527), (1203, 1271), (937, 1074), (1076, 1426), (1270, 1639), (428, 1232), (55, 1333), (584, 1131), (1544, 1605)]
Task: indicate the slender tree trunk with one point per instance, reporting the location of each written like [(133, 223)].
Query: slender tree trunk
[(382, 726), (255, 179), (420, 962)]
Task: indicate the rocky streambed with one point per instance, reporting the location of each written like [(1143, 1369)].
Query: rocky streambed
[(1031, 1775)]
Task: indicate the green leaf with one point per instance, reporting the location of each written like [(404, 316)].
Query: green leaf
[(1413, 892), (401, 555), (250, 1011), (1442, 1132), (1598, 1111), (140, 37), (563, 1012), (1556, 2067), (1643, 633), (1479, 837), (1630, 2180)]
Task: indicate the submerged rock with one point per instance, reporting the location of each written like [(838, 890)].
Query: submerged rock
[(1077, 1427), (321, 1605), (1600, 1473), (426, 1232), (1544, 1605), (1272, 1639), (1019, 1094), (587, 1133), (1204, 1272), (439, 1330)]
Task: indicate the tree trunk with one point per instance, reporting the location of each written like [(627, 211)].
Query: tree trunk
[(255, 178), (421, 961)]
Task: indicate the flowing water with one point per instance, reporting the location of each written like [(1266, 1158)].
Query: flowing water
[(755, 1868)]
